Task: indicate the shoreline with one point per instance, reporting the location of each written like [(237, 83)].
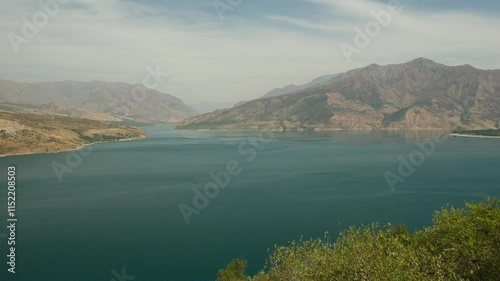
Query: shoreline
[(473, 136), (319, 131), (70, 149)]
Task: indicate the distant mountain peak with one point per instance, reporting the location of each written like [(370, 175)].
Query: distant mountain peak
[(419, 94), (467, 67), (422, 59)]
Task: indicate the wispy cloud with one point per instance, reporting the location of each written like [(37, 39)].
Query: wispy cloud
[(262, 45), (350, 9), (337, 27)]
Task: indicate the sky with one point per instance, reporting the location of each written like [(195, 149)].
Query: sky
[(233, 50)]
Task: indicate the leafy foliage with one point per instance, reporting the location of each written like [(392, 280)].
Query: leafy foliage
[(462, 244), (234, 271)]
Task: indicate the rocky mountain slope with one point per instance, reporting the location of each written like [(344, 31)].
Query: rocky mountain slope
[(94, 100), (22, 133), (420, 94), (294, 88)]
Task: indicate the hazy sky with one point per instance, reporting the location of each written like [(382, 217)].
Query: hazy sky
[(258, 45)]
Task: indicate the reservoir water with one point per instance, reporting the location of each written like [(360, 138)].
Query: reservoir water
[(119, 208)]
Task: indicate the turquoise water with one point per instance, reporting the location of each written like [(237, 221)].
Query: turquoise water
[(119, 207)]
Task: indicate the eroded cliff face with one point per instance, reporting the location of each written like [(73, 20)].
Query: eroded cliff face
[(420, 94)]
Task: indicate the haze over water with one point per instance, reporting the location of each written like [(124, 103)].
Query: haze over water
[(119, 208)]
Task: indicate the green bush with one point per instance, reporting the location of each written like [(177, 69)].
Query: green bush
[(462, 244), (235, 271)]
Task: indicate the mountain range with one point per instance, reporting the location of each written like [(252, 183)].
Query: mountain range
[(93, 100), (420, 94)]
